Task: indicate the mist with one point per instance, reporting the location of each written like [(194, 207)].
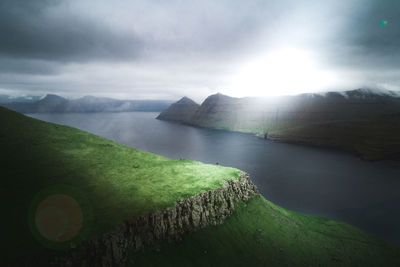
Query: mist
[(164, 50)]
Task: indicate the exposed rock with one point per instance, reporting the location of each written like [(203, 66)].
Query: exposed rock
[(207, 208)]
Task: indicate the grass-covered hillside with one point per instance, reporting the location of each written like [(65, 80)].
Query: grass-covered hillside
[(111, 182), (263, 234), (86, 185), (373, 139), (361, 120)]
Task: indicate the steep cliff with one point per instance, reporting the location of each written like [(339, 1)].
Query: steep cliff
[(207, 208), (181, 111)]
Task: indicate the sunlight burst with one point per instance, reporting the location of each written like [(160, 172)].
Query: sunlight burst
[(285, 72)]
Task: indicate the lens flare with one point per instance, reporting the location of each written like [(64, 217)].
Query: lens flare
[(59, 218)]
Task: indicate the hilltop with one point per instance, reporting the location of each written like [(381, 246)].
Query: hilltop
[(122, 201), (180, 111)]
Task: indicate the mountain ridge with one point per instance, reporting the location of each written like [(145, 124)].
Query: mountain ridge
[(315, 119), (53, 103), (262, 112)]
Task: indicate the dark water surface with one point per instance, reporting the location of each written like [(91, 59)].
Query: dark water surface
[(310, 180)]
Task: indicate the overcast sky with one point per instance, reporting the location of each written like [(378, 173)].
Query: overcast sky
[(158, 49)]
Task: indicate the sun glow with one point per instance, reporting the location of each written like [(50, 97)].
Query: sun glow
[(285, 72)]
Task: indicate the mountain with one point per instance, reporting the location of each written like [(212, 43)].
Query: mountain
[(77, 199), (279, 118), (56, 104), (255, 115), (8, 99), (181, 111), (96, 104), (51, 103)]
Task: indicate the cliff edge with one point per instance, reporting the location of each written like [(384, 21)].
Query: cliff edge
[(207, 208)]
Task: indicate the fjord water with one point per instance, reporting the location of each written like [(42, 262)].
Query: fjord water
[(310, 180)]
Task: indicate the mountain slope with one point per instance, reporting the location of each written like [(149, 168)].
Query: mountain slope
[(260, 233), (281, 118), (180, 111), (372, 139), (253, 114), (51, 103)]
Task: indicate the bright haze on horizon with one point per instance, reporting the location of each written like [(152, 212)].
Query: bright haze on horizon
[(168, 49)]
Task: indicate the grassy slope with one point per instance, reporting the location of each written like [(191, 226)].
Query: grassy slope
[(263, 234), (372, 139), (36, 155), (332, 120)]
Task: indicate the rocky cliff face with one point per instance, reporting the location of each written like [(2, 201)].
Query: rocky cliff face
[(207, 208)]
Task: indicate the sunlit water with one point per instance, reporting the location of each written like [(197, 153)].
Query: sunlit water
[(310, 180)]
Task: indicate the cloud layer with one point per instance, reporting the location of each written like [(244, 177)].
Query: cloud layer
[(166, 49)]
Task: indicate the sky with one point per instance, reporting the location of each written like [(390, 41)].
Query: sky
[(157, 49)]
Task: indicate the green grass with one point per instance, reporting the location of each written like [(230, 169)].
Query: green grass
[(373, 139), (111, 182), (263, 234)]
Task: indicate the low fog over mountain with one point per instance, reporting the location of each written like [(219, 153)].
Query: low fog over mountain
[(54, 103)]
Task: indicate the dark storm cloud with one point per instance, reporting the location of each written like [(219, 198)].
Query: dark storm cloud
[(28, 66), (31, 29), (57, 31)]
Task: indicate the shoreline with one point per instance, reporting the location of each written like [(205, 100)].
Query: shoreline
[(322, 145)]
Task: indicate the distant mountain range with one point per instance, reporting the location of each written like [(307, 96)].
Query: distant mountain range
[(8, 99), (363, 121), (57, 104)]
